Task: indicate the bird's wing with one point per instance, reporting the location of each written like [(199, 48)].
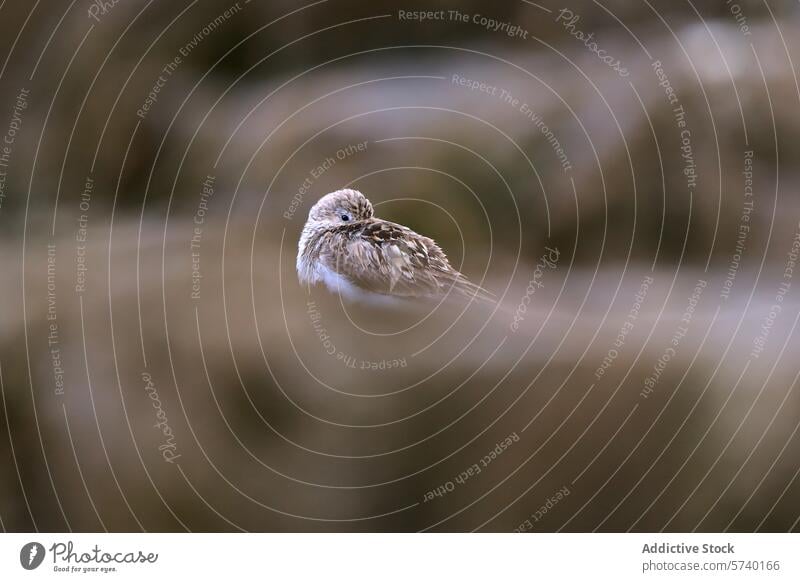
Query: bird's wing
[(387, 258), (391, 259)]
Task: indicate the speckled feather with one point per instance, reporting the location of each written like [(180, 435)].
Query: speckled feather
[(364, 255)]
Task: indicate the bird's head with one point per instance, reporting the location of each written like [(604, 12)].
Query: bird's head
[(341, 207)]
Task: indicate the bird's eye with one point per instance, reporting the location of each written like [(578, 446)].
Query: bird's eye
[(345, 217)]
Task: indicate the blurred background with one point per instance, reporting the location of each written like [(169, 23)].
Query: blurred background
[(622, 175)]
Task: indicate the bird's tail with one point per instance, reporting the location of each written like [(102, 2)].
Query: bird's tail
[(466, 288)]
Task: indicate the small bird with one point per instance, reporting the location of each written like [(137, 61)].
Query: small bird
[(367, 259)]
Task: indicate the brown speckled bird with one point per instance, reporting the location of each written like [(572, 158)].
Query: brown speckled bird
[(373, 260)]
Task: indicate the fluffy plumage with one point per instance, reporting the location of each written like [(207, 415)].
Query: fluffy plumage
[(362, 257)]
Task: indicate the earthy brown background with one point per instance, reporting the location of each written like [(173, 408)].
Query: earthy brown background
[(275, 434)]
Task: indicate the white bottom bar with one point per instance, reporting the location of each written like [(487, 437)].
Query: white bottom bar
[(402, 557)]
